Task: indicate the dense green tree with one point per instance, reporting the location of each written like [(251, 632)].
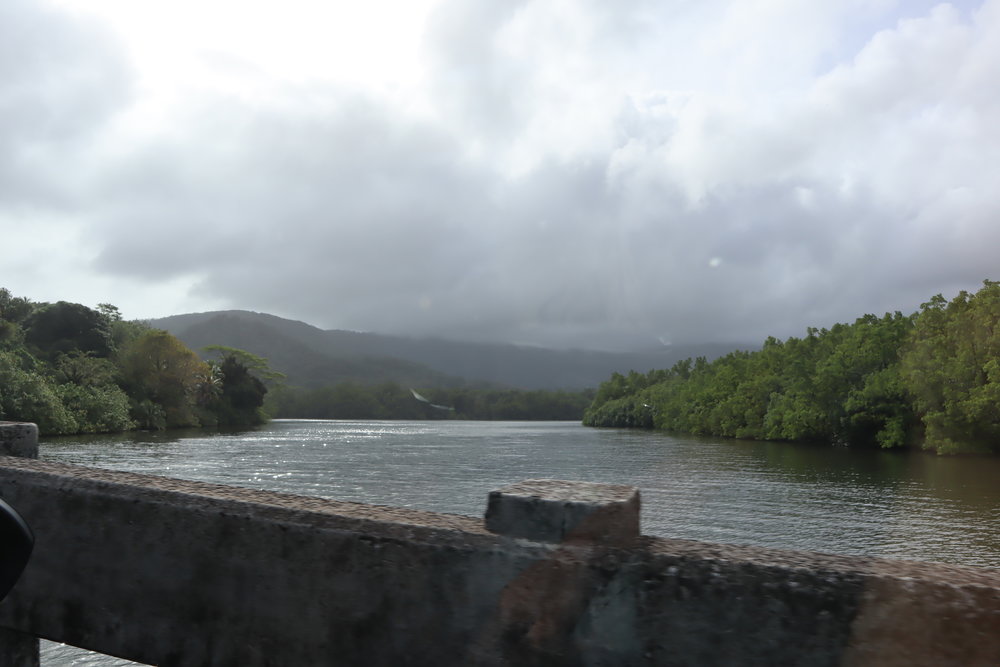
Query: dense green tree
[(836, 385), (72, 369), (121, 331), (84, 369), (9, 333), (14, 309), (256, 365), (234, 390), (951, 366), (96, 409), (158, 369), (63, 327), (880, 411), (26, 394), (241, 394)]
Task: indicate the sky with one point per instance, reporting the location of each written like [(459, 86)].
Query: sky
[(565, 173)]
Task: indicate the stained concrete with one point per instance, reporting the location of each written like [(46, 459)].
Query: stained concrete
[(174, 572), (550, 510), (19, 439), (18, 649)]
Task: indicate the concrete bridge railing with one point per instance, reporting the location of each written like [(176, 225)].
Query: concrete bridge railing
[(172, 572)]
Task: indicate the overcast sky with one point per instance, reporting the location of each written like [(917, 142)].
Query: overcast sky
[(560, 172)]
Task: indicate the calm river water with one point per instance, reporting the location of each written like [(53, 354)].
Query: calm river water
[(821, 498)]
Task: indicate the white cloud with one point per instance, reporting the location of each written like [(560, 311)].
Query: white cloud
[(542, 171)]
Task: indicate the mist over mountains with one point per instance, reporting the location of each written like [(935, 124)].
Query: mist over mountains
[(313, 357)]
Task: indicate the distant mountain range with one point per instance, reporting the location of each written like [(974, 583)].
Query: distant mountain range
[(313, 357)]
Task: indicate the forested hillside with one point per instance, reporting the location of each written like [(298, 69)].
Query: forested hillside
[(931, 379), (301, 352), (72, 369), (314, 358)]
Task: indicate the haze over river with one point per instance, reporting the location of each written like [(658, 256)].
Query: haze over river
[(821, 498)]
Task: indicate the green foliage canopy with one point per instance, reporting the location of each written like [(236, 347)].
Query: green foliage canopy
[(26, 394), (932, 378), (62, 327), (157, 368), (73, 369), (240, 395), (951, 365)]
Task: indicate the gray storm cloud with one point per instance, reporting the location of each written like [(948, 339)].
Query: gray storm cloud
[(572, 176)]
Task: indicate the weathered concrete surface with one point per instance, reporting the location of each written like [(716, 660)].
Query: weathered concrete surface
[(18, 439), (182, 573), (18, 649), (549, 510)]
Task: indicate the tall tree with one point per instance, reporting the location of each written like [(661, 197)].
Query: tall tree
[(161, 375), (952, 367), (63, 327), (241, 394), (13, 308)]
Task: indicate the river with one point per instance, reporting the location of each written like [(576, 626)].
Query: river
[(883, 503)]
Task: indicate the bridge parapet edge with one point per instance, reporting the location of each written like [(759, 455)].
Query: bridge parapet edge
[(175, 572)]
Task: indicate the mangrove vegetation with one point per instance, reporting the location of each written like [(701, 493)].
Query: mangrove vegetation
[(930, 380)]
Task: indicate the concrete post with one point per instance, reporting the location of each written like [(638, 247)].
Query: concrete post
[(19, 439), (548, 510), (16, 648)]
